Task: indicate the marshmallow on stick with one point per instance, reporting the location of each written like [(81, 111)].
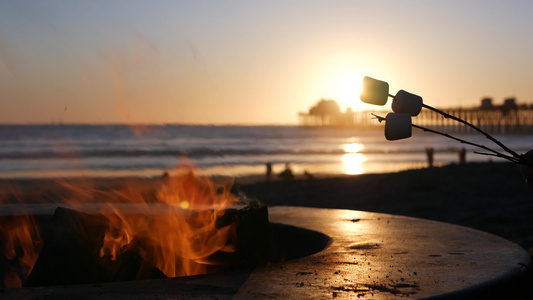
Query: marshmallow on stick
[(405, 102), (374, 91), (397, 126)]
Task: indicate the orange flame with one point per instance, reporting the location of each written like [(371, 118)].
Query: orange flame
[(21, 245), (175, 228), (175, 225)]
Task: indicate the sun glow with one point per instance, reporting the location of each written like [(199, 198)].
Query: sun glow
[(348, 91)]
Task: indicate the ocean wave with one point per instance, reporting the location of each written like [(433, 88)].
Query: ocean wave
[(26, 149), (199, 153)]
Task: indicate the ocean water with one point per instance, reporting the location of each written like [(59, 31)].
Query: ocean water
[(38, 151)]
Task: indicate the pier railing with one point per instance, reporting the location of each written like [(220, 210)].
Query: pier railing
[(496, 120)]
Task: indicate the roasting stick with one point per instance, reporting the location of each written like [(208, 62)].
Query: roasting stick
[(494, 152), (517, 157)]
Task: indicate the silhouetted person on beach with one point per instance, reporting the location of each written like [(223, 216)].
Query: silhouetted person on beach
[(462, 156), (268, 171), (429, 153), (287, 173)]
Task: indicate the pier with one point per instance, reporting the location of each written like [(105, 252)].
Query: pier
[(505, 119)]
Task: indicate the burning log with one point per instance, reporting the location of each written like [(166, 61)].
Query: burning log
[(72, 251), (179, 226), (252, 233)]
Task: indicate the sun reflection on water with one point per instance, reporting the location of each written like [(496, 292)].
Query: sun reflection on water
[(353, 163), (353, 160), (353, 147)]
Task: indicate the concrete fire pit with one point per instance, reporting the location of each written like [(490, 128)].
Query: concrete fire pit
[(356, 254)]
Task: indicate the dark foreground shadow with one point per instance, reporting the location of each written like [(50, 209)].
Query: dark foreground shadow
[(290, 242)]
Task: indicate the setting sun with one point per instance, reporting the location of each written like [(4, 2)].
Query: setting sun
[(348, 91)]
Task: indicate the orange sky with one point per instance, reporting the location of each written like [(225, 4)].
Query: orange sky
[(243, 62)]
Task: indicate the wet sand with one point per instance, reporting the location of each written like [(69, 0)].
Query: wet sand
[(491, 197)]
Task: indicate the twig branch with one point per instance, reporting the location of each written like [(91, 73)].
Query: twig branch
[(483, 153), (380, 118), (494, 152), (448, 116)]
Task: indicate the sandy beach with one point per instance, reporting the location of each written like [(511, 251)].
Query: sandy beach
[(491, 197)]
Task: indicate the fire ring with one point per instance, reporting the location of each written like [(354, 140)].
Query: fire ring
[(349, 254)]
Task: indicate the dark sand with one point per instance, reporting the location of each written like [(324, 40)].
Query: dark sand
[(491, 197)]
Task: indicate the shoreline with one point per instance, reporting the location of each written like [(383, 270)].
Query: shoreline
[(241, 172), (491, 197)]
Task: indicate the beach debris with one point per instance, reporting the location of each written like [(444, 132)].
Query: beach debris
[(406, 105)]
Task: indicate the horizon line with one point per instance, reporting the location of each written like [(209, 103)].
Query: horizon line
[(145, 124)]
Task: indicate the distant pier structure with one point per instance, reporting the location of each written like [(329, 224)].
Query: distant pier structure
[(508, 118)]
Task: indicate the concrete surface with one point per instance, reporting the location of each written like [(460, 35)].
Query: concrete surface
[(368, 255)]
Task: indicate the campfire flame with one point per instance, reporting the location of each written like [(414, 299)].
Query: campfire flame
[(178, 231), (21, 241), (176, 227)]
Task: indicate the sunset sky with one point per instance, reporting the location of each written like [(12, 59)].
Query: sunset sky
[(252, 62)]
